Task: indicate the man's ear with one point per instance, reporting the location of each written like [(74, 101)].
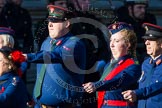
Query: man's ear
[(67, 24), (161, 45), (130, 9)]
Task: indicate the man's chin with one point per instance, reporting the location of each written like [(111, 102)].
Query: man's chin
[(150, 54), (52, 36), (140, 18)]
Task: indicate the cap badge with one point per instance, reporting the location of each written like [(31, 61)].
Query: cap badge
[(52, 10), (114, 26), (146, 28)]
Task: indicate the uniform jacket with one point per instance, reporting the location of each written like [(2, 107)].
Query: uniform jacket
[(62, 79), (150, 84), (13, 92), (119, 81)]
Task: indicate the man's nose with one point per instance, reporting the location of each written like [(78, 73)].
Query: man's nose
[(50, 24)]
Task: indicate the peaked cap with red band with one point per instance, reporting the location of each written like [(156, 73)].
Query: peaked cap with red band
[(58, 14), (152, 31)]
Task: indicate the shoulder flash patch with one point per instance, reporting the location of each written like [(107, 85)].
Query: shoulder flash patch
[(66, 48), (14, 81)]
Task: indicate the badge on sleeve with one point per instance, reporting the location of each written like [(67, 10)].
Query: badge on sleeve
[(2, 90), (141, 76), (14, 81), (66, 48)]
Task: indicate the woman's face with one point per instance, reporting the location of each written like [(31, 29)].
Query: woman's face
[(119, 47), (4, 64)]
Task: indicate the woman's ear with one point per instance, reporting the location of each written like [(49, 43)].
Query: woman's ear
[(9, 67), (9, 45), (128, 45)]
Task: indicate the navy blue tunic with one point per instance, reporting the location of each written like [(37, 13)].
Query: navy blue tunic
[(124, 80), (13, 92), (150, 84), (65, 64)]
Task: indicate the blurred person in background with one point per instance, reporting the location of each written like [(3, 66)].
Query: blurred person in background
[(87, 26), (6, 37), (17, 18), (2, 4), (16, 2), (135, 12)]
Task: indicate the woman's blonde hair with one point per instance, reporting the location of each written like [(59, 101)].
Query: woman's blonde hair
[(8, 40), (130, 37)]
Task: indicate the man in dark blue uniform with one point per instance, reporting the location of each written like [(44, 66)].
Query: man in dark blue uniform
[(149, 93), (60, 73), (41, 32)]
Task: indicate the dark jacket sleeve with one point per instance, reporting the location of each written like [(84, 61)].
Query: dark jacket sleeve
[(69, 51), (124, 79)]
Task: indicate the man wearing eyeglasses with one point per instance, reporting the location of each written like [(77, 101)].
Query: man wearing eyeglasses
[(135, 12), (149, 94)]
